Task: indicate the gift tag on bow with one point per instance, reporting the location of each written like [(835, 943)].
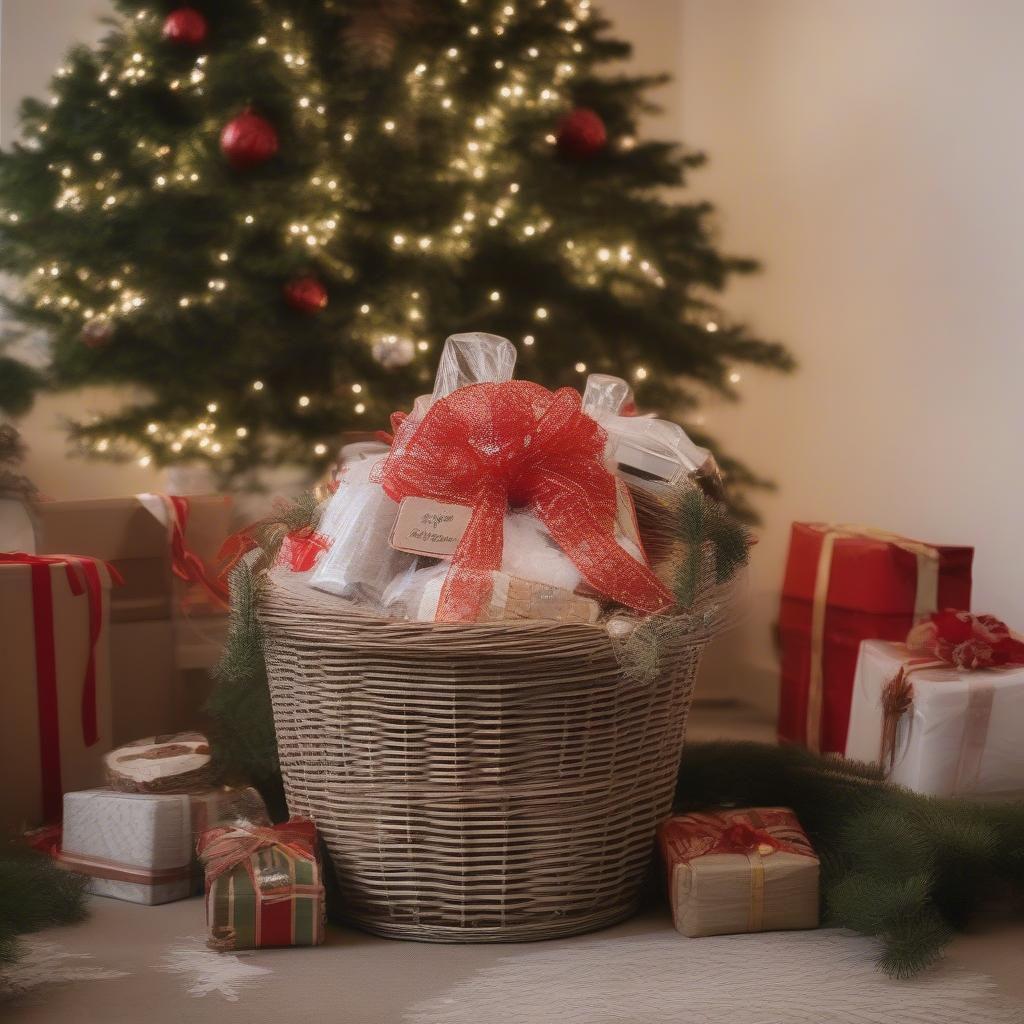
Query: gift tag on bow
[(429, 527)]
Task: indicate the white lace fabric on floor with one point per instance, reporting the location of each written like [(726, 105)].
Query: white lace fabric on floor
[(812, 977)]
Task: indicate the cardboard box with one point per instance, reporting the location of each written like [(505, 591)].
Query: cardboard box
[(45, 745), (161, 627), (736, 871), (845, 584)]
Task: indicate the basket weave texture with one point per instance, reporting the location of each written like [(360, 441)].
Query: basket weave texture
[(486, 782)]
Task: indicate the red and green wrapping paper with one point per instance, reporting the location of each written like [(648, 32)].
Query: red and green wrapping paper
[(845, 584), (264, 886)]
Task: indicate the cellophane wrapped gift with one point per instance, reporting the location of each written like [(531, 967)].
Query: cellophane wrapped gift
[(264, 886), (140, 847), (732, 871), (845, 584), (655, 454), (944, 722), (505, 507), (57, 717)]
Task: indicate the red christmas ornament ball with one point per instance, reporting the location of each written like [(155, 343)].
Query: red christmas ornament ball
[(581, 134), (306, 295), (185, 27), (248, 141)]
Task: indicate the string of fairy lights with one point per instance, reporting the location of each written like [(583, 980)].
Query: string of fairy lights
[(537, 81)]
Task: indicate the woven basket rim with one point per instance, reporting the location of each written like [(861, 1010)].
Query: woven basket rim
[(698, 623)]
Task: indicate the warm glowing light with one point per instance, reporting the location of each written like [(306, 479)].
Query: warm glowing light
[(541, 313), (581, 367), (257, 385), (303, 400), (360, 408), (528, 340), (320, 449)]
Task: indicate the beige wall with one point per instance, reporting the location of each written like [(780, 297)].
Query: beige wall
[(869, 152)]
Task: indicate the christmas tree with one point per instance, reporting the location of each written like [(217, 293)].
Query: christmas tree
[(265, 216)]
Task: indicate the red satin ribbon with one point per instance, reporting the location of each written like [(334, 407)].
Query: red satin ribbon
[(83, 575), (516, 444), (185, 563), (752, 830), (744, 838), (225, 847), (299, 549)]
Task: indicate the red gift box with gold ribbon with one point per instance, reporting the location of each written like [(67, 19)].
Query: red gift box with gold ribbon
[(845, 584)]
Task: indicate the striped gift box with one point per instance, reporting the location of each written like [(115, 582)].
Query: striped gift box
[(263, 886)]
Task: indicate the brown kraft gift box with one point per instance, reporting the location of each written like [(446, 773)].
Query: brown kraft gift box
[(160, 625), (56, 723)]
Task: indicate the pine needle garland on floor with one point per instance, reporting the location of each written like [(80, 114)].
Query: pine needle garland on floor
[(34, 894), (904, 868)]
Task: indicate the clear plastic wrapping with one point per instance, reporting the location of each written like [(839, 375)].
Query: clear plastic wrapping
[(606, 396), (360, 562), (650, 451), (472, 359)]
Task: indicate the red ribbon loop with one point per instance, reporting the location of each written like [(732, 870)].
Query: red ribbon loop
[(185, 563), (518, 445), (83, 576)]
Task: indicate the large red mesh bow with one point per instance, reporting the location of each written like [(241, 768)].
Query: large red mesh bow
[(516, 444)]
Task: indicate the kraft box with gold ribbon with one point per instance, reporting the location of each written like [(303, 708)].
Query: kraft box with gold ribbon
[(845, 584), (945, 719), (734, 871), (56, 722)]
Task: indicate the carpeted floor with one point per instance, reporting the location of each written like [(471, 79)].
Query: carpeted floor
[(130, 964)]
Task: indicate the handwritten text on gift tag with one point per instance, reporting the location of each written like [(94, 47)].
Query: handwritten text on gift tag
[(428, 527)]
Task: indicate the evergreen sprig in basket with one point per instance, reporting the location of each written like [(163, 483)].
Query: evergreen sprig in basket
[(488, 780)]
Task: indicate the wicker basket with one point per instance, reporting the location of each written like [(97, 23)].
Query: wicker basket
[(474, 783)]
